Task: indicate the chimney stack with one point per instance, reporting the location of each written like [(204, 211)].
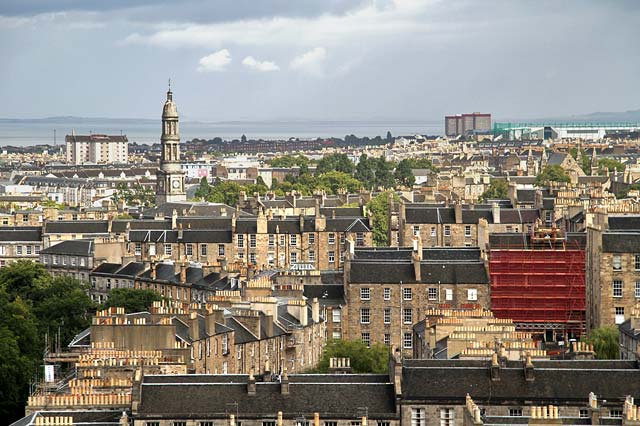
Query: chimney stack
[(251, 385), (153, 270), (315, 310), (495, 368), (284, 382), (174, 219), (528, 369), (495, 211)]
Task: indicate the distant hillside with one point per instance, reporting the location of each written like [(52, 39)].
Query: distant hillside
[(632, 116)]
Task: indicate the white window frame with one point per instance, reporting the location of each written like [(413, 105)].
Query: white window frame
[(365, 316), (472, 294), (365, 293), (407, 293), (617, 288)]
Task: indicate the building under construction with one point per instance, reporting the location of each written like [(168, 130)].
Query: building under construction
[(538, 280)]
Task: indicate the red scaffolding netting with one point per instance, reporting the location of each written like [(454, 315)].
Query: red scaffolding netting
[(539, 286)]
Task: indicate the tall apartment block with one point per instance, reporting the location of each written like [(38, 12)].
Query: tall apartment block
[(96, 149), (462, 124)]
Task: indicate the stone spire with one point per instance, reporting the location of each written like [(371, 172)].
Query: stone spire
[(170, 178), (594, 162)]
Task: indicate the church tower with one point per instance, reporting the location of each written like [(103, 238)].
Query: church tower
[(170, 178)]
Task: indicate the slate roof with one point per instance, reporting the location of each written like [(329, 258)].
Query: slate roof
[(555, 381), (71, 248), (556, 158), (526, 195), (107, 268), (331, 398), (76, 227), (21, 234), (132, 269), (621, 241), (439, 265), (624, 222), (520, 240), (429, 214), (327, 294)]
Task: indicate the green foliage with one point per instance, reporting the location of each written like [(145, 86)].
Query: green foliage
[(288, 161), (334, 162), (553, 173), (227, 192), (365, 172), (131, 299), (52, 203), (420, 163), (404, 175), (605, 342), (363, 359), (610, 164), (379, 208), (586, 161), (375, 172), (32, 303), (498, 189), (625, 192), (63, 303), (135, 195)]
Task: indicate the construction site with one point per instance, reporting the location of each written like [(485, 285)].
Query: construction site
[(538, 281)]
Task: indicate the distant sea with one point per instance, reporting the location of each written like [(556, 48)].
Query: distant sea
[(22, 132)]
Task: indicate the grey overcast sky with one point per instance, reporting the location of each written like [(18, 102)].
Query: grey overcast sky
[(318, 59)]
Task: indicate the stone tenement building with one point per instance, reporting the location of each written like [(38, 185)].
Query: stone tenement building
[(460, 225), (388, 290), (265, 335), (415, 392), (630, 336), (262, 242), (613, 268), (470, 334)]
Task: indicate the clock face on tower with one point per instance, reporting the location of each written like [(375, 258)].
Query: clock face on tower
[(176, 184)]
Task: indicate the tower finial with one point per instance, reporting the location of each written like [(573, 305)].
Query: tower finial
[(169, 84)]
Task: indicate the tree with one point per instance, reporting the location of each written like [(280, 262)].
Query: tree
[(334, 162), (554, 173), (605, 341), (204, 189), (610, 164), (334, 181), (498, 190), (131, 299), (33, 303), (225, 192), (586, 161), (22, 279), (404, 175), (365, 172), (421, 163), (379, 208), (64, 304), (374, 359), (384, 175)]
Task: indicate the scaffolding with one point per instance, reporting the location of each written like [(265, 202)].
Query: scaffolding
[(540, 284)]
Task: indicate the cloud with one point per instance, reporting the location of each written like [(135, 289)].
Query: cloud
[(310, 62), (215, 62), (264, 66), (68, 20), (376, 19)]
